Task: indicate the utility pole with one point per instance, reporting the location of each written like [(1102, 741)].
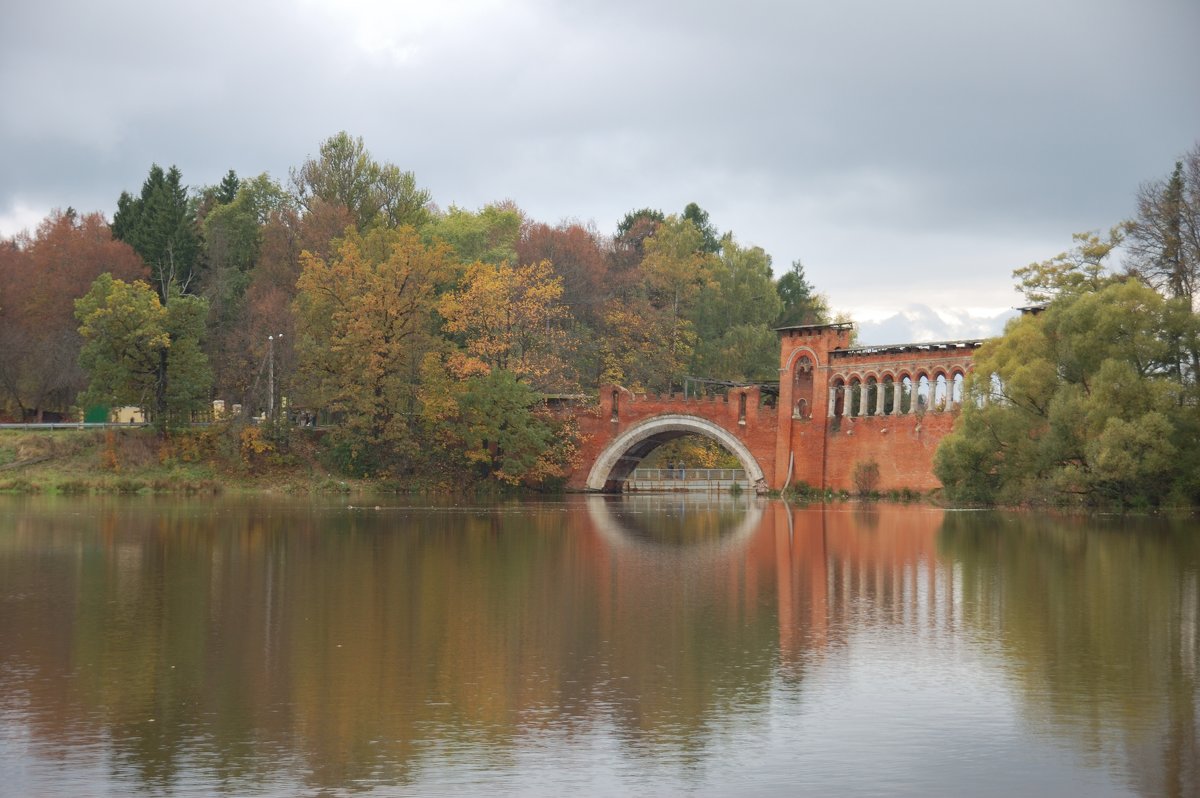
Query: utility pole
[(271, 376)]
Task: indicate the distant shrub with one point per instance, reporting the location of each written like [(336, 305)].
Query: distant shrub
[(866, 477)]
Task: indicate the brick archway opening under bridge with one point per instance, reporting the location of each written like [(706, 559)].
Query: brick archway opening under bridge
[(617, 460)]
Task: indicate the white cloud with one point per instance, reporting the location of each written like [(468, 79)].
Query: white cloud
[(20, 217)]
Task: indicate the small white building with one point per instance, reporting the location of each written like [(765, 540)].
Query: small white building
[(128, 415)]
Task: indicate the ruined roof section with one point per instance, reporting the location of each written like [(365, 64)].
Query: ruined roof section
[(889, 349), (841, 325)]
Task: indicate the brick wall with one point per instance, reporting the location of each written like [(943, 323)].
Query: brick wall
[(802, 438)]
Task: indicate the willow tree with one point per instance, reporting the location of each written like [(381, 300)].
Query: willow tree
[(1083, 401)]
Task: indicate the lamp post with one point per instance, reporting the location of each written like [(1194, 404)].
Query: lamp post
[(271, 376)]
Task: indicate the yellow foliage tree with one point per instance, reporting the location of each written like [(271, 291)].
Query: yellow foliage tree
[(510, 318), (364, 328)]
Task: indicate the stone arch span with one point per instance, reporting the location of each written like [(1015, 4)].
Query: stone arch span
[(618, 459)]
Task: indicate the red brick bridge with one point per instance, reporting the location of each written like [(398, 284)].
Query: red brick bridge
[(838, 406)]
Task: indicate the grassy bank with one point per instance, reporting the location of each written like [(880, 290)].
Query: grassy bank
[(215, 460)]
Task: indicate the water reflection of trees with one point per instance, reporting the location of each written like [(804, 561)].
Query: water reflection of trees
[(357, 647), (1099, 620), (359, 640)]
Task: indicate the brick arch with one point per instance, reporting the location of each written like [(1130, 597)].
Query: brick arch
[(799, 352), (618, 459)]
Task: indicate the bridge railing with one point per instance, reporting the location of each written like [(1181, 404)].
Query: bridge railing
[(686, 479)]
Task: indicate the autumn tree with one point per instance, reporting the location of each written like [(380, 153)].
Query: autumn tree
[(580, 257), (629, 242), (40, 277), (510, 318), (233, 233), (239, 350), (160, 225), (138, 351), (643, 348), (344, 173), (364, 327), (675, 268)]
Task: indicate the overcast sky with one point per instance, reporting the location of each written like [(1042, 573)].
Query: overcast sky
[(911, 154)]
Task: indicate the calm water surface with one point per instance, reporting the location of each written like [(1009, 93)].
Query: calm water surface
[(592, 646)]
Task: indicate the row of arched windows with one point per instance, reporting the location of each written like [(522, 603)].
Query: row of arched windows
[(916, 392)]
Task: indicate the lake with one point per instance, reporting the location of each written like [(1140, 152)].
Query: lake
[(592, 646)]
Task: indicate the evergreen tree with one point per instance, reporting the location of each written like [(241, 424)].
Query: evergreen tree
[(228, 188), (699, 217), (160, 225), (801, 304)]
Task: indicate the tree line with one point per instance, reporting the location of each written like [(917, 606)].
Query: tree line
[(421, 332), (1092, 394)]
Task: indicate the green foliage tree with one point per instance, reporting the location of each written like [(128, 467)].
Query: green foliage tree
[(488, 235), (228, 188), (1084, 400), (344, 173), (138, 351), (500, 430), (160, 225), (641, 222), (710, 238), (1083, 268), (732, 316), (800, 303), (233, 239)]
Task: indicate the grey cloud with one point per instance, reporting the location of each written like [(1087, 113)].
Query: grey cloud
[(934, 142)]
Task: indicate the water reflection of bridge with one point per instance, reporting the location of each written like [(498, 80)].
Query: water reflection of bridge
[(819, 570)]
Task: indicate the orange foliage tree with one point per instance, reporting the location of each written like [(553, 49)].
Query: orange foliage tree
[(41, 276)]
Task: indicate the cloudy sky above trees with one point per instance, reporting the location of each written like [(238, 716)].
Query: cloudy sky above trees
[(910, 154)]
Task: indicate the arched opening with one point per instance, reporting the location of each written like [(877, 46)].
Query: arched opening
[(871, 395), (838, 398), (619, 459), (924, 393), (906, 394), (802, 387), (889, 395), (941, 393), (855, 397), (956, 389)]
